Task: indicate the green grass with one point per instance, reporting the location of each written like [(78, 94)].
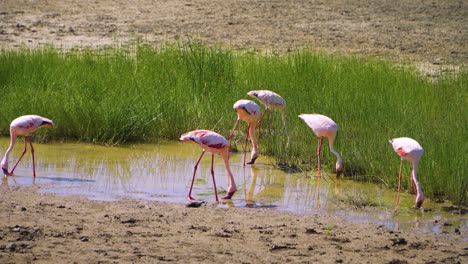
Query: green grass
[(142, 93)]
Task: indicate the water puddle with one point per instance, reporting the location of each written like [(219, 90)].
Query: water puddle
[(163, 172)]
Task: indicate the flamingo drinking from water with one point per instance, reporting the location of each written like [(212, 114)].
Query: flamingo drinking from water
[(273, 102), (24, 126), (324, 126), (409, 149), (249, 112), (216, 144)]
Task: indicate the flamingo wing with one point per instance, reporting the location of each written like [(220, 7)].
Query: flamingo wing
[(407, 147), (320, 124), (250, 107), (268, 98), (205, 138)]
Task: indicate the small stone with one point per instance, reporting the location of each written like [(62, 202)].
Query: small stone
[(11, 247), (399, 241), (311, 231), (195, 204)]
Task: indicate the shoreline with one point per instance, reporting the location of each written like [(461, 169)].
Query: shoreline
[(80, 230)]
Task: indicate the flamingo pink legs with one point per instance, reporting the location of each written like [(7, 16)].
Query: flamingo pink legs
[(26, 140), (190, 197), (194, 173), (399, 184), (260, 123), (319, 148)]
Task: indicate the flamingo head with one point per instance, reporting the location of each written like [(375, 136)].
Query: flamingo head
[(339, 168), (253, 94), (47, 123), (4, 165), (419, 200)]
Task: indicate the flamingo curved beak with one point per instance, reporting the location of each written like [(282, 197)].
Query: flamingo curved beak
[(5, 171), (418, 204), (252, 161), (46, 123)]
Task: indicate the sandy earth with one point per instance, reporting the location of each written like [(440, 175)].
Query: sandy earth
[(41, 228), (432, 33), (51, 229)]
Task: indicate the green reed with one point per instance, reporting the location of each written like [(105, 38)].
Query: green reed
[(142, 93)]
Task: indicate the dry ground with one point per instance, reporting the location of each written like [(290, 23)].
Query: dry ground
[(429, 32)]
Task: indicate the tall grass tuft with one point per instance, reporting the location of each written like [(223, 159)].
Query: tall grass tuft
[(143, 93)]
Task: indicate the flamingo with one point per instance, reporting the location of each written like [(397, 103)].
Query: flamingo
[(409, 149), (273, 102), (24, 126), (324, 126), (216, 144), (249, 112)]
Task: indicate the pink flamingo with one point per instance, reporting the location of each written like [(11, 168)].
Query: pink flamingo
[(273, 102), (216, 144), (324, 126), (249, 112), (409, 149), (24, 126)]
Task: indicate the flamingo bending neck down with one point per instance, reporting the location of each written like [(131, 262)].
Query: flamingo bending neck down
[(324, 126), (273, 102), (24, 126), (216, 144), (249, 112), (409, 149)]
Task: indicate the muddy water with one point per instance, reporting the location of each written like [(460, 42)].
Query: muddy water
[(163, 172)]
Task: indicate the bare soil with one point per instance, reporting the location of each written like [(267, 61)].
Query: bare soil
[(432, 33), (43, 228)]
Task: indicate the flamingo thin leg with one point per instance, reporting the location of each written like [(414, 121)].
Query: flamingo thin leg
[(193, 177), (232, 132), (319, 147), (269, 121), (399, 185), (245, 142), (212, 175), (33, 160), (260, 123), (24, 151)]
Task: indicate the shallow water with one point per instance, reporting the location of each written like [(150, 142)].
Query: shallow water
[(163, 172)]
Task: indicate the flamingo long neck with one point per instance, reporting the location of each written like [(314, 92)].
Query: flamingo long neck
[(419, 193), (231, 182), (4, 162), (253, 139), (331, 140)]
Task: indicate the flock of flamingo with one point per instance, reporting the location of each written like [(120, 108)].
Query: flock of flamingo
[(249, 112)]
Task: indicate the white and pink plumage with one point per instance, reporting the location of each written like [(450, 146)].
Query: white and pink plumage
[(273, 102), (249, 112), (24, 126), (324, 126), (409, 149), (216, 144)]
